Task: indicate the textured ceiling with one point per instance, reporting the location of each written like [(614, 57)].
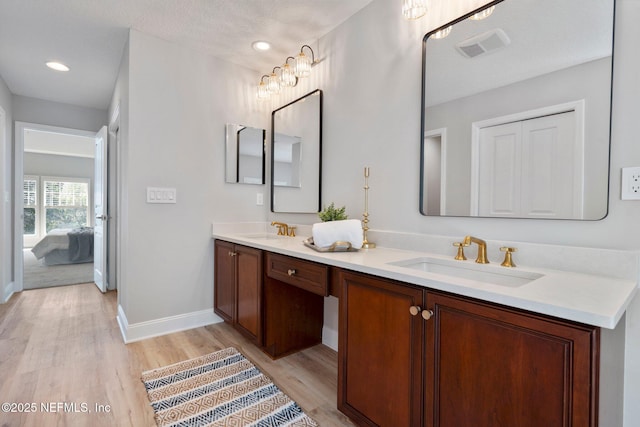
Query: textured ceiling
[(89, 36)]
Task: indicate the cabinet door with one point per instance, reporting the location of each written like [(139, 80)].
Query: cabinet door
[(224, 289), (249, 292), (491, 366), (380, 351)]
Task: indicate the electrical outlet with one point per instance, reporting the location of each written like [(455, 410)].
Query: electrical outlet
[(630, 183), (259, 199)]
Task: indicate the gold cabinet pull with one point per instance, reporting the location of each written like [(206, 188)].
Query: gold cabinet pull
[(291, 272), (414, 310), (232, 253), (427, 314)]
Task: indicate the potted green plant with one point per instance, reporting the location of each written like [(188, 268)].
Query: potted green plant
[(331, 213)]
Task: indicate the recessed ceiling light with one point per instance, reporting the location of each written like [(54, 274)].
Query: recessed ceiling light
[(57, 66), (261, 45)]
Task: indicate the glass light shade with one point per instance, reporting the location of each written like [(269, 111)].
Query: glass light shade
[(263, 91), (440, 34), (273, 83), (414, 9), (302, 67), (287, 76), (482, 14)]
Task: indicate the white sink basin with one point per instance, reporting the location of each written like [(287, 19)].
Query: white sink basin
[(260, 236), (495, 275)]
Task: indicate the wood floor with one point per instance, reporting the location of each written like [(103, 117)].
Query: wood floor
[(62, 356)]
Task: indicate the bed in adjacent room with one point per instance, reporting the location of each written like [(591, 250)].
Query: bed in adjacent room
[(66, 246)]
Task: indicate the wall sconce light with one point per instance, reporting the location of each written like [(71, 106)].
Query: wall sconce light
[(482, 14), (414, 9), (273, 82), (286, 75), (302, 66), (263, 89)]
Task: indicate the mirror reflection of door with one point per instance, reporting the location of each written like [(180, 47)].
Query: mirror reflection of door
[(528, 169), (287, 152), (250, 155), (434, 155)]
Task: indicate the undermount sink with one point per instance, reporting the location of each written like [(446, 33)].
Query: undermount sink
[(469, 270), (267, 236)]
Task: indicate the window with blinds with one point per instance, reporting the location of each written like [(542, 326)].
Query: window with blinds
[(66, 203), (30, 196)]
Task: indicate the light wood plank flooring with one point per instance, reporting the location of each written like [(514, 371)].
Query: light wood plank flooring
[(63, 345)]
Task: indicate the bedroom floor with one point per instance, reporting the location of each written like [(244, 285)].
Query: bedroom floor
[(63, 344), (37, 275)]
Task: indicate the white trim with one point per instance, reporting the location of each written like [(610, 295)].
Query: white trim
[(114, 209), (577, 106), (330, 337), (7, 293), (164, 326)]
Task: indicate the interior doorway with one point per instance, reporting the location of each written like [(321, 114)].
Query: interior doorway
[(54, 205)]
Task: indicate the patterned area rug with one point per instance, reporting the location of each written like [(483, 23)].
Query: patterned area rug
[(219, 389)]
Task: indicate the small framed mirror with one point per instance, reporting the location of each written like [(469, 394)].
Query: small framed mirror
[(245, 154), (296, 155)]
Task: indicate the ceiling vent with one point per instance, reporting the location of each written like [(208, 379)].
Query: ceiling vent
[(483, 43)]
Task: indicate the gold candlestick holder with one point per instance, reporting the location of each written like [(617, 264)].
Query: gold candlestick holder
[(366, 244)]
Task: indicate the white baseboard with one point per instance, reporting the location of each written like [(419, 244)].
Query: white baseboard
[(8, 291), (330, 338), (164, 326)]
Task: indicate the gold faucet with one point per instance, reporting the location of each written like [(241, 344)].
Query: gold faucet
[(482, 248), (283, 229)]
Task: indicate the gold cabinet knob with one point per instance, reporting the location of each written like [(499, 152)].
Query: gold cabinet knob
[(414, 310), (291, 272), (508, 261), (427, 314), (232, 253), (460, 255)]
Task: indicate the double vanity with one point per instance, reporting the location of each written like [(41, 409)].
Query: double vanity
[(424, 339)]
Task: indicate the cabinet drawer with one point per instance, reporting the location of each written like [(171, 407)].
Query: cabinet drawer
[(303, 274)]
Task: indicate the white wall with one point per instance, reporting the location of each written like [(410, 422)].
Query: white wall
[(6, 258), (177, 102), (40, 111)]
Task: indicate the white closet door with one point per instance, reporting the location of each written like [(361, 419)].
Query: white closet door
[(529, 169), (548, 186), (499, 170)]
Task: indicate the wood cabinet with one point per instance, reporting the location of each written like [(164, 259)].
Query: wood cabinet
[(471, 363), (275, 300), (238, 287), (380, 351)]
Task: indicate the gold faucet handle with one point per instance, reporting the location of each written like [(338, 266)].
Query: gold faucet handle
[(460, 255), (292, 231), (508, 261)]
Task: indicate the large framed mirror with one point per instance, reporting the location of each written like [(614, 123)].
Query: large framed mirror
[(244, 154), (516, 111), (296, 155)]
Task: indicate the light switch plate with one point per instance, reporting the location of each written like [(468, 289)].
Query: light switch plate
[(161, 195)]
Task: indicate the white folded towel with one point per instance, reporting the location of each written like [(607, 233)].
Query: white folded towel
[(327, 233)]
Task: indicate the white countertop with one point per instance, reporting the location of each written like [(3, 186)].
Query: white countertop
[(591, 299)]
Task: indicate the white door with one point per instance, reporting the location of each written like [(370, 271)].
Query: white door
[(529, 169), (100, 199), (499, 170)]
